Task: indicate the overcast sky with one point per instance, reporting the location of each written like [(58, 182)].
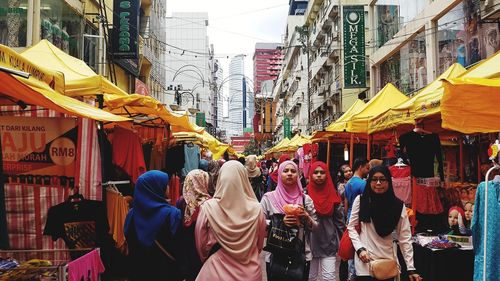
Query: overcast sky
[(236, 25)]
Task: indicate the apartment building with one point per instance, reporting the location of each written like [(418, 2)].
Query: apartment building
[(417, 40)]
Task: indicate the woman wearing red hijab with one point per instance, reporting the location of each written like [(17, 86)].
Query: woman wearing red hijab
[(325, 238), (274, 175)]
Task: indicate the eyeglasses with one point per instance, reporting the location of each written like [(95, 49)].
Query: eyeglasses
[(381, 180)]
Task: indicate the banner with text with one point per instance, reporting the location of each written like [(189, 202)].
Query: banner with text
[(125, 29), (354, 47), (39, 150)]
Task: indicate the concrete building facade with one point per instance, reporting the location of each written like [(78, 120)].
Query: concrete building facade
[(188, 60), (267, 60), (416, 41), (83, 29)]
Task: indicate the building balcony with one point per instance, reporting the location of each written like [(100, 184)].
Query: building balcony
[(145, 50)]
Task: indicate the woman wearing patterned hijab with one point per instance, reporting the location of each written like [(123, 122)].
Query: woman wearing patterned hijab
[(254, 175), (194, 193)]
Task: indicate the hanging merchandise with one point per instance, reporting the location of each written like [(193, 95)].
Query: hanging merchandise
[(147, 149), (87, 267), (423, 148), (117, 210), (174, 189), (157, 161), (401, 181), (106, 156), (127, 152), (174, 160), (192, 158), (486, 230), (81, 223)]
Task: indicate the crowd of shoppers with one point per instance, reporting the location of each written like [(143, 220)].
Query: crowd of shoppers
[(217, 229)]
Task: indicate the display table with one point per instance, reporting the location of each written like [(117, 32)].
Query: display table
[(440, 265)]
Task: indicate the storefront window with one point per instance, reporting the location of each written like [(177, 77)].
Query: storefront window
[(463, 38), (13, 22), (407, 70), (61, 26), (392, 15)]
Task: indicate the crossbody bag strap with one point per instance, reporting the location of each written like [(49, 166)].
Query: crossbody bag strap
[(164, 251)]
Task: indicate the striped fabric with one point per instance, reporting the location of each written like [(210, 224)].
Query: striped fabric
[(27, 205), (88, 174)]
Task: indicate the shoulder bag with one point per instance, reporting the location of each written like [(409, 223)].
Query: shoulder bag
[(382, 269), (346, 249), (290, 264)]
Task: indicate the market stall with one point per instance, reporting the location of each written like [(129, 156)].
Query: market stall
[(42, 156)]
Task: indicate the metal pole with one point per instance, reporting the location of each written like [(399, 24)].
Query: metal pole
[(351, 150), (461, 164), (308, 86)]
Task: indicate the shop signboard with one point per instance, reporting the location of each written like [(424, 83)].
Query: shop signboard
[(287, 128), (38, 74), (200, 119), (39, 151), (354, 47), (141, 88), (125, 29)]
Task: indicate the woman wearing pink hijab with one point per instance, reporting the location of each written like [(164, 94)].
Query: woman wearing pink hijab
[(289, 191)]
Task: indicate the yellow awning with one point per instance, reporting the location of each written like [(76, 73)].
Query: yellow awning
[(297, 141), (208, 141), (488, 68), (80, 79), (470, 105), (425, 103), (38, 73), (137, 105), (388, 97), (279, 145), (41, 89), (340, 124), (35, 93)]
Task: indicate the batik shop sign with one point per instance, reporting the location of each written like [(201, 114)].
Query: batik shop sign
[(125, 29), (354, 47), (39, 150)]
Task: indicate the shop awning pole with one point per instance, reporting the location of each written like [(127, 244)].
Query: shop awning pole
[(368, 148), (479, 178), (461, 164), (351, 150), (328, 155)]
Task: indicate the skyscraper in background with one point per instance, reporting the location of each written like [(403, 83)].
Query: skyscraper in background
[(267, 61), (240, 109)]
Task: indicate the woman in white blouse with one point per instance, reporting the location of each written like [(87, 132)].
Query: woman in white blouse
[(379, 213)]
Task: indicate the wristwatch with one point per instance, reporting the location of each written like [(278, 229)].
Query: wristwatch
[(360, 250)]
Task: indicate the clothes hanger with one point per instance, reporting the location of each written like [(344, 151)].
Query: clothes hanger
[(76, 196), (419, 128), (400, 163)]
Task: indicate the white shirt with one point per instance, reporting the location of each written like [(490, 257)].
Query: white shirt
[(379, 247)]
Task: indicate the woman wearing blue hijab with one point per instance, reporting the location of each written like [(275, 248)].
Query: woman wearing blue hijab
[(150, 228)]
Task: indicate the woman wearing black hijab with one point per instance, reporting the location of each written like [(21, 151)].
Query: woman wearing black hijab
[(379, 213)]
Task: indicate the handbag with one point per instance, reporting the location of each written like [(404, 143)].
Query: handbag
[(288, 262), (382, 269), (346, 249)]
